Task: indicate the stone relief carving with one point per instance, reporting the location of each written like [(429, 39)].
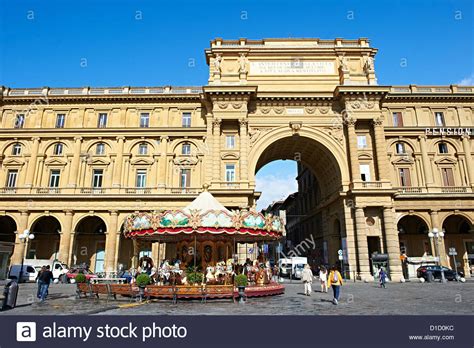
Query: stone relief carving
[(237, 106), (265, 110), (279, 110), (324, 110), (242, 63), (296, 127), (310, 109)]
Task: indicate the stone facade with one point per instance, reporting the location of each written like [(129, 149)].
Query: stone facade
[(76, 161)]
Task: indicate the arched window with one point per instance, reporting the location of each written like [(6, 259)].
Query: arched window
[(400, 148), (443, 148), (186, 149)]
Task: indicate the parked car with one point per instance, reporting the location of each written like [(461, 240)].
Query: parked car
[(58, 268), (75, 271), (449, 274), (28, 274)]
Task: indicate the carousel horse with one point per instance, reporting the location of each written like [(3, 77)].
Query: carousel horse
[(210, 277), (261, 277)]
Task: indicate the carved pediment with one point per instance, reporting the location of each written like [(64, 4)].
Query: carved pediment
[(403, 160), (141, 161), (55, 162), (230, 156), (100, 161), (446, 160), (365, 157), (13, 162), (185, 160)]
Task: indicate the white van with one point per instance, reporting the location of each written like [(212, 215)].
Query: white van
[(293, 265), (28, 274), (58, 268)]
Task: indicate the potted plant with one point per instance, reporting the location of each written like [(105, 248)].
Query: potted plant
[(142, 281), (195, 278), (241, 282), (81, 283)]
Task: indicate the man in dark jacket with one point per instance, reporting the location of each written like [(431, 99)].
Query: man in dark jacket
[(45, 279)]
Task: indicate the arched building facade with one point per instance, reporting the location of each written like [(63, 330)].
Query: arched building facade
[(388, 164)]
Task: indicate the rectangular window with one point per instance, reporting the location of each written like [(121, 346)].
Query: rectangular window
[(141, 178), (448, 177), (185, 178), (11, 178), (400, 147), (439, 119), (186, 149), (100, 149), (58, 149), (397, 119), (443, 148), (143, 149), (97, 176), (186, 119), (54, 178), (404, 174), (16, 149), (230, 141), (230, 172), (144, 120), (60, 120), (19, 121), (365, 172), (102, 120), (361, 142)]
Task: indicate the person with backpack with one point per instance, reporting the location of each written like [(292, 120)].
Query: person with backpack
[(382, 277), (335, 281), (45, 278)]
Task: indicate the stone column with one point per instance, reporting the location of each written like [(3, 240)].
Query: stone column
[(117, 179), (243, 149), (74, 170), (353, 158), (30, 174), (208, 149), (440, 246), (65, 240), (350, 239), (216, 165), (469, 163), (382, 161), (19, 251), (362, 245), (427, 172), (162, 165), (111, 242), (392, 244)]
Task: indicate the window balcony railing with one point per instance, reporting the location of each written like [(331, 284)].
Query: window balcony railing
[(431, 190), (409, 189), (183, 190), (48, 190), (8, 190), (138, 190), (93, 190), (454, 189)]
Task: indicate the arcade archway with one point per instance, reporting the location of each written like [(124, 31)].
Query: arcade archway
[(89, 246), (459, 235), (45, 245), (313, 227), (7, 243)]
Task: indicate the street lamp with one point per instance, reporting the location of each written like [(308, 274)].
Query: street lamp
[(438, 236), (24, 238)]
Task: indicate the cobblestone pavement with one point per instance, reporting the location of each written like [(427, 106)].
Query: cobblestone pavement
[(356, 299)]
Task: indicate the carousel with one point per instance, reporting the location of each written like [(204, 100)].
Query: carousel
[(205, 238)]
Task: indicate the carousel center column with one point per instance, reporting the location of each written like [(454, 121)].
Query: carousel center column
[(111, 243)]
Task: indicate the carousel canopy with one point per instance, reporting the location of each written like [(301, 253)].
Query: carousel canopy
[(202, 218)]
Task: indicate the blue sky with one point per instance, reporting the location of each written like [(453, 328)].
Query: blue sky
[(154, 43)]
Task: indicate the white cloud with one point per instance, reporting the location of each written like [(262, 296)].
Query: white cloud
[(467, 81), (274, 187)]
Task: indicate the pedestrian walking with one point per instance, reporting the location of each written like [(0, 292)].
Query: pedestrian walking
[(335, 281), (382, 277), (40, 282), (323, 278), (307, 276), (46, 277)]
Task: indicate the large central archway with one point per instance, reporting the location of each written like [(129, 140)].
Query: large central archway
[(317, 229)]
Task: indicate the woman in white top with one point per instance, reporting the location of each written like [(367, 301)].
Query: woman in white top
[(323, 277)]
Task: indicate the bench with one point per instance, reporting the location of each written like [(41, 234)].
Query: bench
[(103, 289), (83, 288), (161, 291), (218, 291)]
